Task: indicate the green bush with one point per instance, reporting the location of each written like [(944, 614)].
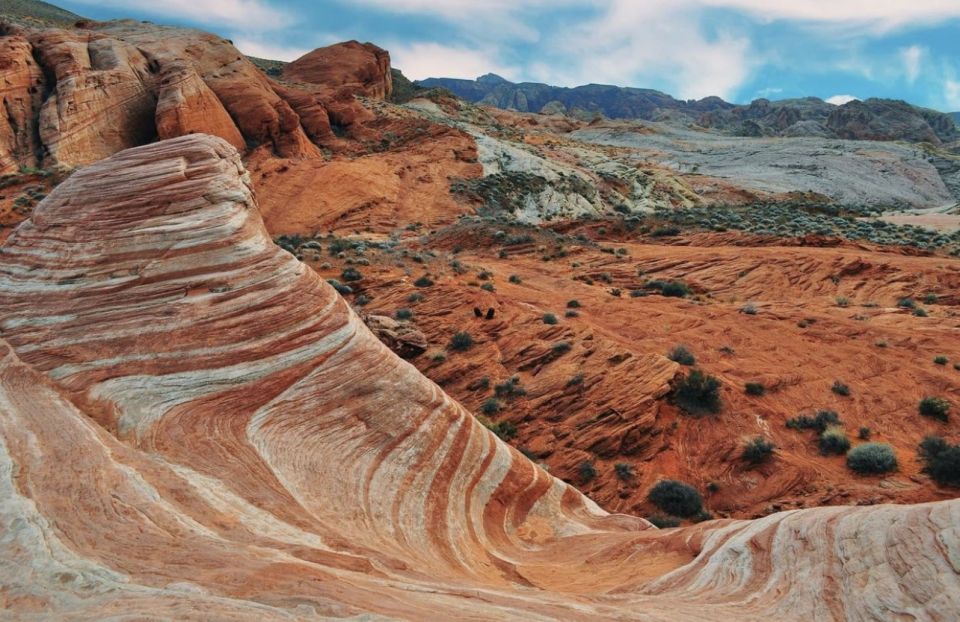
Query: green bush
[(864, 434), (415, 297), (697, 393), (561, 347), (461, 341), (936, 407), (941, 460), (351, 274), (549, 318), (754, 388), (423, 281), (504, 429), (940, 360), (676, 498), (491, 406), (403, 314), (834, 440), (819, 423), (342, 289), (871, 458), (515, 279), (509, 389), (573, 304), (680, 354), (587, 471), (624, 471), (758, 450)]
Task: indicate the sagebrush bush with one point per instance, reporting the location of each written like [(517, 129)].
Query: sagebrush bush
[(423, 281), (941, 461), (758, 450), (351, 274), (549, 318), (624, 471), (840, 389), (697, 393), (573, 304), (940, 360), (491, 406), (680, 354), (754, 388), (676, 498), (834, 440), (872, 458), (936, 407), (403, 314), (461, 341), (586, 471), (819, 423)]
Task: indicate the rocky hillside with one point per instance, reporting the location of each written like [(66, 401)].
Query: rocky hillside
[(872, 119), (163, 455)]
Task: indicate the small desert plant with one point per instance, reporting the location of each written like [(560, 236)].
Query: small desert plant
[(575, 380), (561, 347), (549, 318), (491, 406), (676, 498), (842, 301), (573, 304), (941, 461), (342, 289), (571, 313), (509, 389), (754, 388), (930, 299), (680, 354), (749, 309), (839, 388), (461, 341), (820, 422), (624, 471), (403, 314), (758, 450), (935, 407), (871, 458), (504, 429), (351, 274), (587, 471), (697, 393), (415, 297), (906, 303), (834, 440), (515, 279), (423, 281), (940, 360), (864, 434)]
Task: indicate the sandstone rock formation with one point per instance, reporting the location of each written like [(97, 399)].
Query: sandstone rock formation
[(362, 67), (194, 425)]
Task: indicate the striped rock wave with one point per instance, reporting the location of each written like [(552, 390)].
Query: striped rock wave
[(193, 425)]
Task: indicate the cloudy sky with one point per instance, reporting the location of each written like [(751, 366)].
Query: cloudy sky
[(737, 49)]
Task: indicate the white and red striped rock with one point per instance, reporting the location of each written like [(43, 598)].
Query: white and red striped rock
[(193, 425)]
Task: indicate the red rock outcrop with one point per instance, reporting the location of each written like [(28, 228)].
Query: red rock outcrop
[(362, 67), (194, 425), (186, 105), (21, 94)]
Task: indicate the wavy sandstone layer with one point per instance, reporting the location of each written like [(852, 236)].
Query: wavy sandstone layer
[(194, 425)]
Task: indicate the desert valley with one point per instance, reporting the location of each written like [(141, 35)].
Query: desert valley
[(310, 340)]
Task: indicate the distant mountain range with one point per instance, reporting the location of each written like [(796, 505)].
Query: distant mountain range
[(871, 119)]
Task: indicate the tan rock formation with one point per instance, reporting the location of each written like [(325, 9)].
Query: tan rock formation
[(21, 94), (186, 105), (360, 66), (194, 425)]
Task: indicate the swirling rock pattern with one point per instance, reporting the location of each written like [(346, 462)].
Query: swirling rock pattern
[(193, 425)]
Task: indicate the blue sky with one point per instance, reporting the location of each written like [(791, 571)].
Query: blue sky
[(737, 49)]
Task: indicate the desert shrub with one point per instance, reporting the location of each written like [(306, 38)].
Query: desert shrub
[(491, 406), (342, 289), (561, 347), (509, 389), (573, 304), (587, 471), (549, 318), (820, 422), (749, 309), (930, 298), (675, 289), (571, 313), (461, 341), (665, 231), (920, 312), (575, 380), (697, 393), (941, 461), (515, 279), (839, 388), (403, 314), (906, 303), (438, 357), (872, 458), (834, 440), (676, 498), (680, 354), (504, 429), (423, 281), (842, 301), (416, 297), (664, 522), (624, 471), (864, 434), (758, 450), (940, 360), (754, 388), (351, 274), (935, 407), (489, 287)]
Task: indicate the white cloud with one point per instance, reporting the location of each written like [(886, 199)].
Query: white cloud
[(951, 94), (269, 47), (433, 60), (911, 58), (884, 14), (249, 15), (839, 100)]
